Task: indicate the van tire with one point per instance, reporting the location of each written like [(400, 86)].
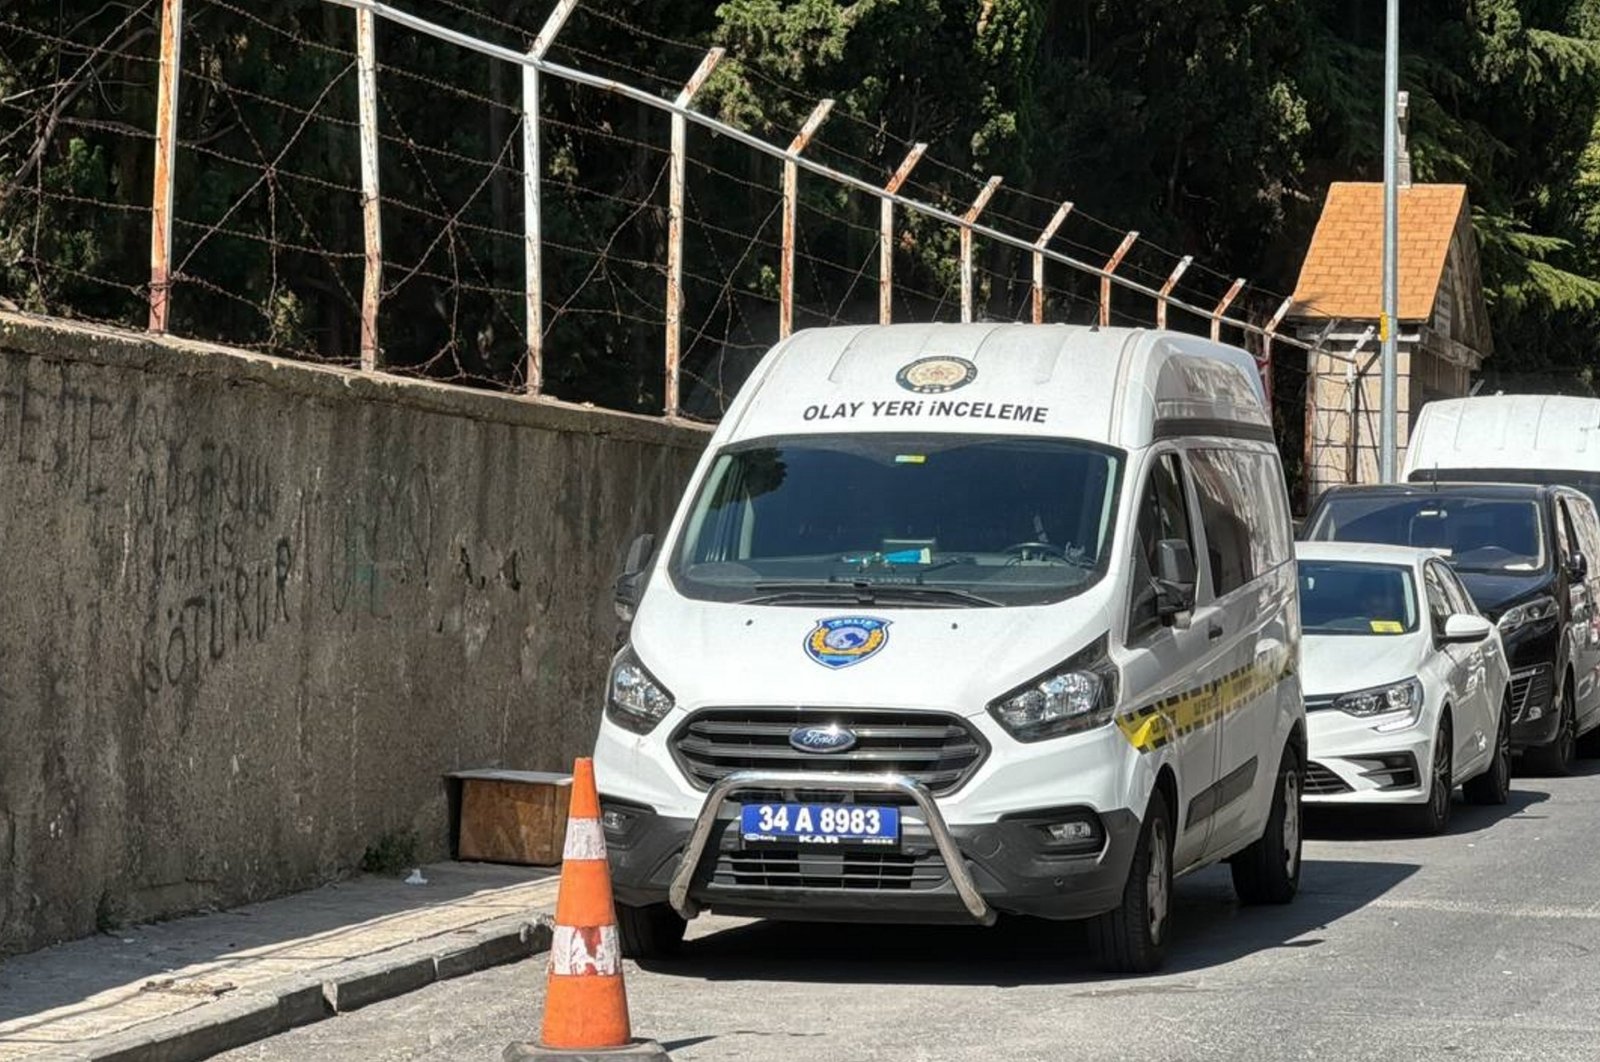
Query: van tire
[(1124, 940), (1269, 870), (1493, 786), (653, 932), (1554, 759)]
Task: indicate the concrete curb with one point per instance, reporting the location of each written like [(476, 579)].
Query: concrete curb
[(236, 1020)]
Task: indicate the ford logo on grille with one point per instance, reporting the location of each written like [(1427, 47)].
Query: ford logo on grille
[(833, 738)]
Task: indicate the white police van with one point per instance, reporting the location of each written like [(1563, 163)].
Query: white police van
[(957, 620)]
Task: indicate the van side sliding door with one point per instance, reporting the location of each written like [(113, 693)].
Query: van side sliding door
[(1245, 521)]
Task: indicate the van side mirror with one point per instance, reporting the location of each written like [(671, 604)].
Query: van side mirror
[(1577, 566), (630, 584), (1175, 579), (1462, 629)]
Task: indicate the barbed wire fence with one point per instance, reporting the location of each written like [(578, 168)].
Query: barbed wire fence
[(349, 183)]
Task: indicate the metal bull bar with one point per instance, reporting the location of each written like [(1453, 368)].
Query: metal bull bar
[(834, 781)]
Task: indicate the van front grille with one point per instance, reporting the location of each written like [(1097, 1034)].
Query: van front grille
[(937, 749), (1530, 688), (806, 869)]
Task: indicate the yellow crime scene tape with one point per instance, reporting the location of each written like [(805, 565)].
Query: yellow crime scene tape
[(1157, 724)]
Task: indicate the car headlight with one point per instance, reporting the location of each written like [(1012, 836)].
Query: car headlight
[(634, 699), (1540, 608), (1078, 695), (1384, 700)]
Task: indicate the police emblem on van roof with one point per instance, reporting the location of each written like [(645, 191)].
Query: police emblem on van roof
[(936, 375), (845, 640)]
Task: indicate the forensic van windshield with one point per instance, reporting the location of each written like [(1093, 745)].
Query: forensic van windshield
[(927, 519)]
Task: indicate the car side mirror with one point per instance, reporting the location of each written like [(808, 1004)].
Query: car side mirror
[(1577, 565), (1175, 580), (1462, 629), (630, 584)]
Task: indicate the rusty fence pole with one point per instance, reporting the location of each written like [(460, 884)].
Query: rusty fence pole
[(680, 142), (371, 224), (1267, 334), (1222, 308), (1166, 288), (984, 195), (1105, 278), (791, 202), (886, 232), (166, 158), (1039, 245), (532, 204)]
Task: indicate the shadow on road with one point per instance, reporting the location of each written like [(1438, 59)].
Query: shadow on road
[(1371, 822), (1210, 929)]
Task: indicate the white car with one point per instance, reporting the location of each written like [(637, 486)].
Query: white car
[(1405, 683)]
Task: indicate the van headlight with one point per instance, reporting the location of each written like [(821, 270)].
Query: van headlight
[(1540, 608), (634, 699), (1078, 695), (1384, 700)]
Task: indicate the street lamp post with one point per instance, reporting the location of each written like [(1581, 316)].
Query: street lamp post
[(1387, 323)]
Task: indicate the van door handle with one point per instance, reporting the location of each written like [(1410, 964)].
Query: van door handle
[(1213, 631)]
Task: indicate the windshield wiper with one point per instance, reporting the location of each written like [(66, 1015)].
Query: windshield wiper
[(951, 594), (863, 592)]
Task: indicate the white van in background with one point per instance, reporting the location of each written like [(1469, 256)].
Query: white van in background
[(957, 620), (1546, 439)]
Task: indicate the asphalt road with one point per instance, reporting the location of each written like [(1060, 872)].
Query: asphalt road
[(1480, 944)]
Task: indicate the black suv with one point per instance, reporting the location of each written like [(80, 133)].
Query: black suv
[(1526, 553)]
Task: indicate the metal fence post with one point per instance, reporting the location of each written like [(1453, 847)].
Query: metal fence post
[(532, 205), (1105, 279), (1267, 334), (791, 200), (1038, 258), (1166, 288), (166, 158), (984, 195), (371, 226), (1222, 308), (886, 233), (680, 139)]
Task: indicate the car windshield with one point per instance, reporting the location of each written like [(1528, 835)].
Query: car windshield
[(1476, 534), (1351, 597), (1588, 482), (943, 520)]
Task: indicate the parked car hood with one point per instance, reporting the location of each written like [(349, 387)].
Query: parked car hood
[(1342, 663), (1495, 591)]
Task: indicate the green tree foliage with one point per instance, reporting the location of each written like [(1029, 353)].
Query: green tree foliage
[(1212, 126)]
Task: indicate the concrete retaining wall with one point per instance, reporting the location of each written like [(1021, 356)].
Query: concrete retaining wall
[(251, 610)]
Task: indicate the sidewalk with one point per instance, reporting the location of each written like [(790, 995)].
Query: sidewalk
[(189, 988)]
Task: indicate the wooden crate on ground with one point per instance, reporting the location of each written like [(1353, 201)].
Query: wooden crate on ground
[(512, 816)]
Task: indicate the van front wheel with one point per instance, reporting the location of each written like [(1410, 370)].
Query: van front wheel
[(1132, 938), (1269, 870), (653, 932)]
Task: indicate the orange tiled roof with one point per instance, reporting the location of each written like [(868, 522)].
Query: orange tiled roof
[(1343, 272)]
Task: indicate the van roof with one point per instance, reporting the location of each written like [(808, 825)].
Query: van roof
[(1124, 387), (1511, 491), (1507, 431)]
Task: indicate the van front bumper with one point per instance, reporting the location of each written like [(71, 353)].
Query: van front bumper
[(939, 873)]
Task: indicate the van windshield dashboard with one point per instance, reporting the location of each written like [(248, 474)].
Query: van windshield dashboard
[(906, 521)]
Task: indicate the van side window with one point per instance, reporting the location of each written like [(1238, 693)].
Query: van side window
[(1163, 513), (1565, 535), (1243, 511)]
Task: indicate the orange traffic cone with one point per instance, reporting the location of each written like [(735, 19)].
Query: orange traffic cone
[(586, 1004)]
